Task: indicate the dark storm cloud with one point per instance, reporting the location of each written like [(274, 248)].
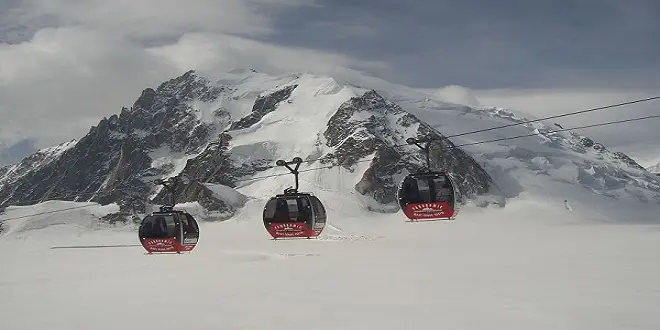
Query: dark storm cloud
[(490, 44)]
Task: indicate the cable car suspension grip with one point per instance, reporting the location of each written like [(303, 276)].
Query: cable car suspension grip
[(294, 171)]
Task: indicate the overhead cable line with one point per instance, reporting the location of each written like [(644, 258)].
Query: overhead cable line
[(560, 130), (558, 116), (47, 212)]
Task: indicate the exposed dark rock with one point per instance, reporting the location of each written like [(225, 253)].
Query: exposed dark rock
[(626, 159), (4, 170), (378, 178), (262, 106), (2, 212), (112, 163), (119, 217), (356, 139), (211, 166), (587, 142), (146, 101)]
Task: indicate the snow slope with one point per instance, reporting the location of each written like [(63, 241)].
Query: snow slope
[(39, 159), (654, 168), (20, 220), (531, 265)]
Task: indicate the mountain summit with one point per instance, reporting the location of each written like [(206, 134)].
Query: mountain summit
[(226, 133)]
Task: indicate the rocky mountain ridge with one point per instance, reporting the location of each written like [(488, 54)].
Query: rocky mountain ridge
[(188, 125)]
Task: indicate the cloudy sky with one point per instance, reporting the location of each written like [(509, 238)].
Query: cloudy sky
[(66, 63)]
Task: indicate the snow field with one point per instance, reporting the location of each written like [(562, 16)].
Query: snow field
[(529, 265)]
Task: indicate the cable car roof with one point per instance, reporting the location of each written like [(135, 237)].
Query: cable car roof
[(427, 174), (168, 209), (294, 194)]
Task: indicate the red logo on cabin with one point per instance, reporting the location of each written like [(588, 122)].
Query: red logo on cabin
[(289, 227), (429, 210), (160, 244)]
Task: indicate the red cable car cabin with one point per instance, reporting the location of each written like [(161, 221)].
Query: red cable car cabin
[(427, 196), (169, 231), (294, 215)]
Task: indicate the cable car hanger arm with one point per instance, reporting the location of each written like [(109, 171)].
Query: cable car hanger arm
[(170, 185), (425, 148), (294, 171)]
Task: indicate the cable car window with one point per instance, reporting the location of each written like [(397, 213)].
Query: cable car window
[(304, 209), (158, 226), (281, 213), (443, 189), (320, 216), (147, 227), (424, 190), (192, 224), (170, 225), (410, 192), (184, 223), (187, 224), (303, 203), (321, 207), (441, 183), (270, 209), (318, 207), (292, 205)]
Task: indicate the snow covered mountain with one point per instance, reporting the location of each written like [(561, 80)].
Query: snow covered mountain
[(225, 133), (222, 133), (655, 169)]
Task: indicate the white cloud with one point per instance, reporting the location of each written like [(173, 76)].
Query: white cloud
[(210, 52), (54, 87), (156, 18), (458, 94), (57, 84)]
